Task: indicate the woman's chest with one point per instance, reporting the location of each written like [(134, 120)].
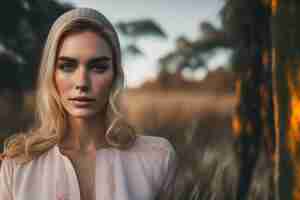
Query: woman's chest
[(123, 177), (113, 177), (85, 170), (110, 176)]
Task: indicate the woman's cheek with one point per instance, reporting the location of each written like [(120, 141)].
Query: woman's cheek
[(62, 82), (103, 85)]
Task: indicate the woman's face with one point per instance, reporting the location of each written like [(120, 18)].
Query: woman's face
[(84, 74)]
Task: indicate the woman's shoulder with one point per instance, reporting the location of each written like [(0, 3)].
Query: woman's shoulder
[(49, 156), (7, 163), (159, 156), (153, 144), (156, 142)]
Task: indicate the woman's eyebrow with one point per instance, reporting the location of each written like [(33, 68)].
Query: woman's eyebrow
[(99, 59), (68, 59), (92, 60)]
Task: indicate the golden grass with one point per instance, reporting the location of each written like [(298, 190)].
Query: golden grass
[(153, 109)]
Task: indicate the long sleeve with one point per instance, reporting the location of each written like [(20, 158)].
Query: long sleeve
[(6, 171)]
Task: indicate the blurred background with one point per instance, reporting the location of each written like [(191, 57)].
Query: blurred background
[(197, 72)]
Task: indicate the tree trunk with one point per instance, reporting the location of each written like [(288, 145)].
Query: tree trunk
[(253, 121), (286, 65)]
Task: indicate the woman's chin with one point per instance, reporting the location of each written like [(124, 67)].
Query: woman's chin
[(82, 113)]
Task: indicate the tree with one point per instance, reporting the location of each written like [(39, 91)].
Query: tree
[(286, 56), (137, 29), (247, 24), (23, 35), (193, 54)]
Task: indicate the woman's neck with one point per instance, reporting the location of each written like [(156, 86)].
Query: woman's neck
[(84, 134)]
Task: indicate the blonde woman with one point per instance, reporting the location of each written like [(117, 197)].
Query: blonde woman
[(81, 148)]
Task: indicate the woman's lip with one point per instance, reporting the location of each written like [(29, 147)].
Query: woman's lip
[(82, 99), (81, 103)]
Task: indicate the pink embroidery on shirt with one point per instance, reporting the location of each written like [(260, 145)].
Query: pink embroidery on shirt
[(60, 196)]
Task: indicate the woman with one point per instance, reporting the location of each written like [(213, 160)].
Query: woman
[(81, 147)]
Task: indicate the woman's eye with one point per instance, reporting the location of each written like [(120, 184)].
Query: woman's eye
[(99, 67), (66, 67)]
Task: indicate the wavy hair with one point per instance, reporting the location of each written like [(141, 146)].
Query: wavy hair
[(50, 124)]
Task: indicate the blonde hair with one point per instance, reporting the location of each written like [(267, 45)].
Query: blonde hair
[(50, 124)]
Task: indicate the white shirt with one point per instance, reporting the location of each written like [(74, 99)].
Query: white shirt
[(140, 173)]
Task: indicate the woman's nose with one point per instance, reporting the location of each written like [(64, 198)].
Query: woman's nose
[(81, 79)]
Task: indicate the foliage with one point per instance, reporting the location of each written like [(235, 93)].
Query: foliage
[(194, 54), (23, 35), (134, 30), (141, 28)]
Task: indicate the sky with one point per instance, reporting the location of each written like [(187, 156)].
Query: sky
[(176, 17)]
